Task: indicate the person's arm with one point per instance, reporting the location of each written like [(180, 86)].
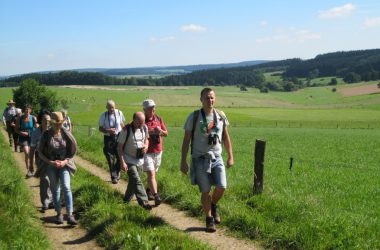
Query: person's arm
[(120, 152), (228, 146), (146, 143), (35, 124), (164, 131), (185, 149), (41, 154)]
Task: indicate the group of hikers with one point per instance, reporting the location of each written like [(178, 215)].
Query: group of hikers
[(132, 147)]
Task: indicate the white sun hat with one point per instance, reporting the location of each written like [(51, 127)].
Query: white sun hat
[(148, 103)]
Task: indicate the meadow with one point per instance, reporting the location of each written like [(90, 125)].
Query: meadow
[(330, 199), (19, 226)]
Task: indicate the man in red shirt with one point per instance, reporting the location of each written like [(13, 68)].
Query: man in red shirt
[(152, 159)]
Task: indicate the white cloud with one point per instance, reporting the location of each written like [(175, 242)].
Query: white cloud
[(337, 12), (263, 23), (291, 35), (162, 39), (50, 55), (372, 22), (193, 28)]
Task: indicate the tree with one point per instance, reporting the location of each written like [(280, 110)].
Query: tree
[(333, 81), (352, 77), (33, 93), (264, 89)]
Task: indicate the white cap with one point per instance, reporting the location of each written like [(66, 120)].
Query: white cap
[(148, 103)]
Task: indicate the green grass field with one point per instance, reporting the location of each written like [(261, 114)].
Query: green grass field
[(19, 226), (329, 201)]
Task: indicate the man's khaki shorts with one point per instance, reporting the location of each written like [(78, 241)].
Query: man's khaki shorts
[(152, 161)]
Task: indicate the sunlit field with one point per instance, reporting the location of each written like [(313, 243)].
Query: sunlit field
[(328, 200)]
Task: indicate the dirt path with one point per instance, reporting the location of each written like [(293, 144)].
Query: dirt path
[(61, 236), (175, 217)]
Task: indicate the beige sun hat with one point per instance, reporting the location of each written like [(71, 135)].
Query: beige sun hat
[(11, 102), (57, 118)]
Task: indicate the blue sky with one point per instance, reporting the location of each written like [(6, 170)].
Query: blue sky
[(55, 35)]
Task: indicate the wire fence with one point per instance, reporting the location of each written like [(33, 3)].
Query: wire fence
[(92, 129)]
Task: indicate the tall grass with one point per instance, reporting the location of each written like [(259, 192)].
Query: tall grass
[(329, 200), (116, 225), (19, 226)]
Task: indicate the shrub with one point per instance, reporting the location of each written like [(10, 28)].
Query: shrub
[(264, 90), (333, 81), (33, 93)]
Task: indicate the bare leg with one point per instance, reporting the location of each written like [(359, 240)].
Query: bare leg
[(217, 194), (26, 154), (206, 203), (152, 183)]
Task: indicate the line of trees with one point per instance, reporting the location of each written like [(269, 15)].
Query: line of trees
[(352, 66)]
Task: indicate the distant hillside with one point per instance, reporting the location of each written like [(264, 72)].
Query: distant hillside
[(364, 63), (352, 66), (291, 74), (169, 70)]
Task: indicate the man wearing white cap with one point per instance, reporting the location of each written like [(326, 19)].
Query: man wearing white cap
[(152, 159), (8, 115)]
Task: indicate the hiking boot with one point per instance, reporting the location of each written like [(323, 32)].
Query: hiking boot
[(71, 220), (149, 194), (29, 174), (59, 219), (43, 209), (145, 205), (215, 214), (210, 225), (157, 200)]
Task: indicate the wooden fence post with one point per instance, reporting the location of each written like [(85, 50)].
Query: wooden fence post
[(258, 181)]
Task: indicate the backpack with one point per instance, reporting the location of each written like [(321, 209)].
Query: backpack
[(195, 118), (128, 128)]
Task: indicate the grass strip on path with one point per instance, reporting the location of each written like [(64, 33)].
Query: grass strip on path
[(19, 226), (117, 225)]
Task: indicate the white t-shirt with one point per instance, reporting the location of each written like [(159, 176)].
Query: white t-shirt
[(201, 133), (135, 140), (113, 120)]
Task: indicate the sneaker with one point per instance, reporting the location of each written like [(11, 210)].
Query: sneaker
[(114, 181), (210, 225), (215, 214), (71, 220), (29, 174), (145, 205), (149, 194), (59, 219), (157, 200)]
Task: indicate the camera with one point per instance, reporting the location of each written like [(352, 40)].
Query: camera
[(155, 139), (139, 153), (213, 139)]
